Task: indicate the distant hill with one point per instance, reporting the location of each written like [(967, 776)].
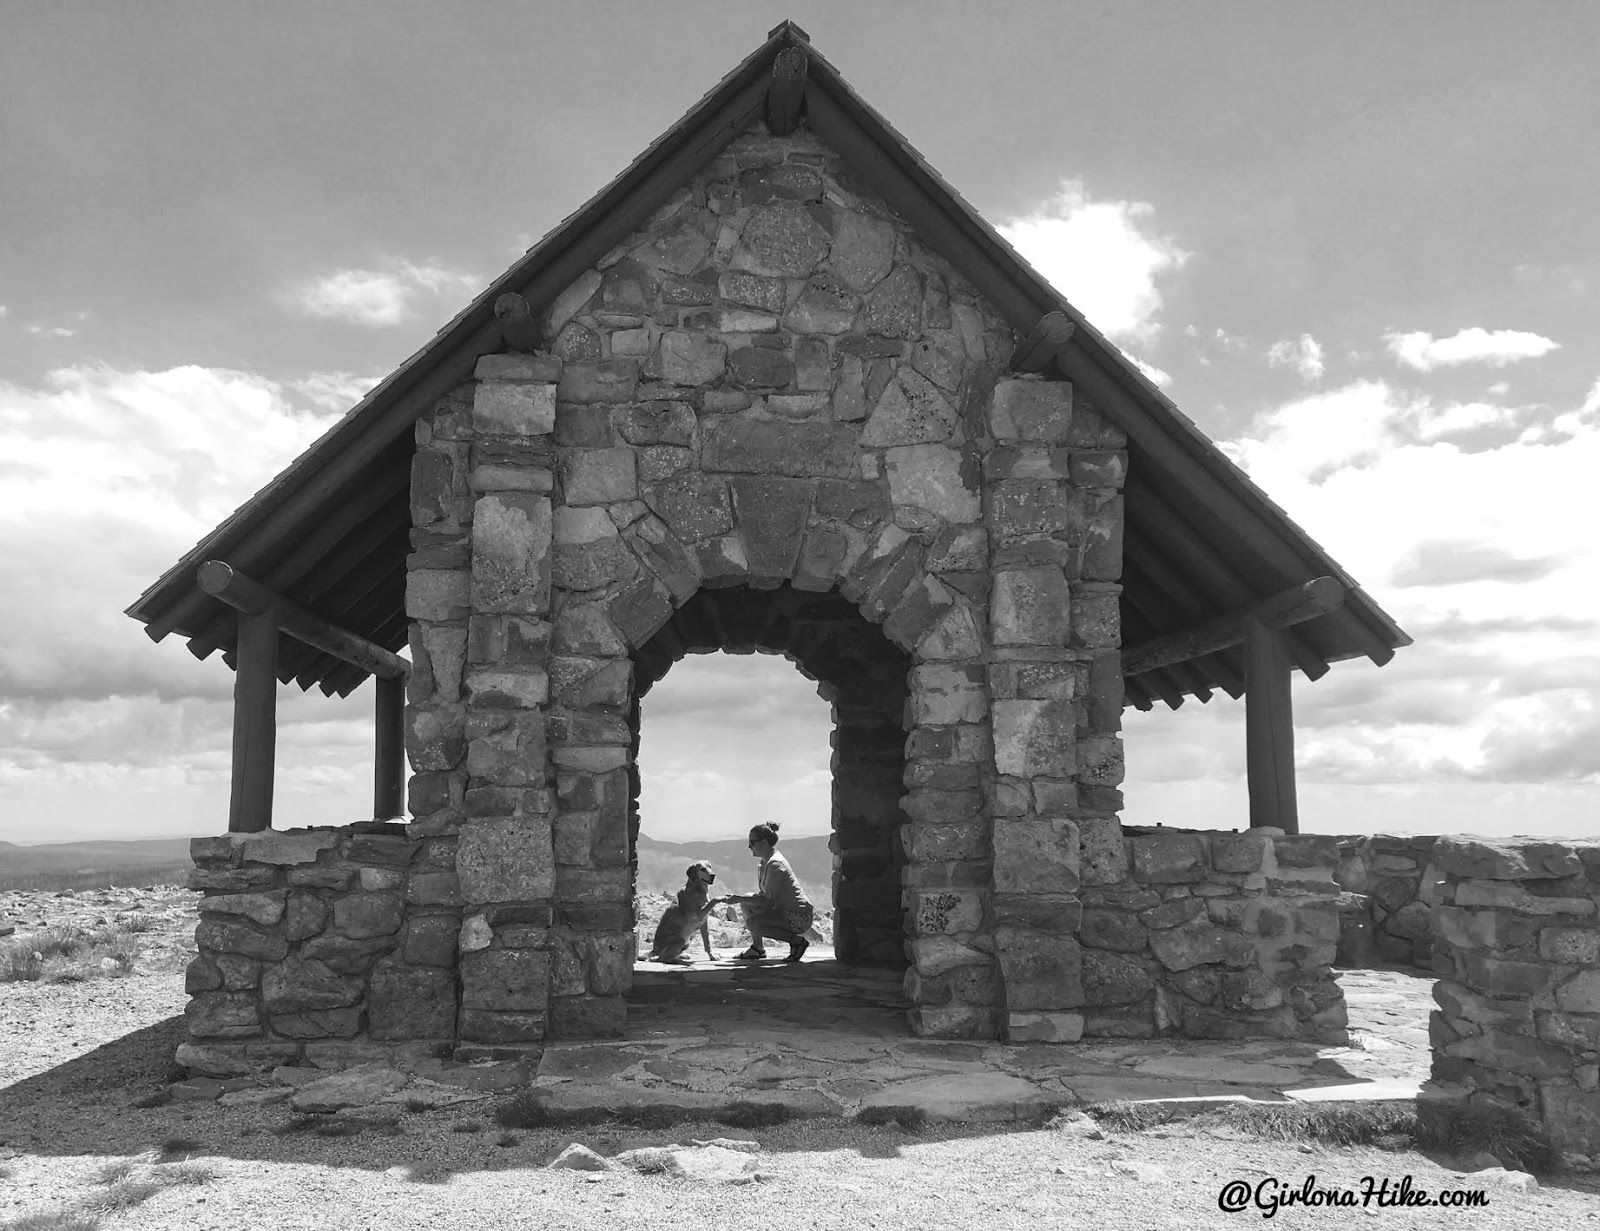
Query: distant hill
[(662, 865), (84, 865)]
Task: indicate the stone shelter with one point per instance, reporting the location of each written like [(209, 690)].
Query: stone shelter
[(776, 388)]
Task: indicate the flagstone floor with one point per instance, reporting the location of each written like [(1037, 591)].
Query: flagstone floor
[(828, 1039)]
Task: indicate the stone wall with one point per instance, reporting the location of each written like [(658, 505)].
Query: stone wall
[(773, 383), (320, 937), (1517, 946), (1209, 935), (1386, 911)]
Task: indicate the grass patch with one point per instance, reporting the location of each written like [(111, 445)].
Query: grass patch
[(911, 1119), (1507, 1133), (507, 1140), (176, 1148), (59, 1220), (431, 1173), (124, 1195), (467, 1126), (415, 1105), (111, 1173), (753, 1115), (337, 1128), (69, 955), (1450, 1128), (296, 1124), (159, 1099)]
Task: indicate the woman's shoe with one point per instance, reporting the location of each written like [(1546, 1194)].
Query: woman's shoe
[(752, 954), (797, 949)]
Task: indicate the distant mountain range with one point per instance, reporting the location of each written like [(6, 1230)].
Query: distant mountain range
[(661, 864)]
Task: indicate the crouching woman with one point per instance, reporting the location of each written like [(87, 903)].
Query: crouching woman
[(779, 909)]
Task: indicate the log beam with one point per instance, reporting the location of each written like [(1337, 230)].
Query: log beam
[(1269, 730), (389, 748), (255, 724), (517, 322), (1043, 342), (787, 92), (223, 581), (1282, 610)]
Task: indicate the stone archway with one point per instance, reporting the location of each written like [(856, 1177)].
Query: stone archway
[(863, 676)]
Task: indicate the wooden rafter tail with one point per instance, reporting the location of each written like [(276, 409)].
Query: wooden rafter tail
[(223, 581), (1284, 609), (787, 92), (1043, 342), (517, 322)]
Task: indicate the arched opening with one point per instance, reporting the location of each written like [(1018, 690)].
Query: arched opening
[(864, 678)]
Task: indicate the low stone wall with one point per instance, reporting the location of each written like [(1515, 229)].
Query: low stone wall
[(1386, 910), (1210, 935), (1517, 943), (312, 938)]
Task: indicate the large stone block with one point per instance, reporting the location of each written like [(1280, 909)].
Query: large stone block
[(934, 477), (863, 250), (216, 936), (283, 847), (1035, 856), (763, 446), (363, 915), (772, 516), (783, 239), (1034, 738), (512, 754), (1037, 410), (438, 594), (223, 1015), (825, 306), (894, 306), (1191, 944), (1044, 1027), (942, 694), (296, 985), (1168, 858), (1510, 859), (1041, 971), (502, 408), (505, 980), (506, 860), (1031, 606), (597, 476), (910, 411), (410, 1002), (613, 380), (946, 911), (1114, 979), (263, 908), (435, 736), (695, 506), (511, 537)]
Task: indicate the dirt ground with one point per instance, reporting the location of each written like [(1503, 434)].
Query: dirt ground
[(75, 1058)]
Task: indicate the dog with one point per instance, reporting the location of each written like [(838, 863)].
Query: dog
[(679, 923)]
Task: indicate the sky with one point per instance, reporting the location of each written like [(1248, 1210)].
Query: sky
[(1356, 243)]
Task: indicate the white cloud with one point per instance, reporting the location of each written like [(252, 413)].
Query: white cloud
[(334, 391), (1423, 352), (1304, 355), (1101, 256), (1156, 375), (51, 331), (1484, 553), (382, 296)]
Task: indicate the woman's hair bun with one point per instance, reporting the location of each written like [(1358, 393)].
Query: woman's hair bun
[(774, 825)]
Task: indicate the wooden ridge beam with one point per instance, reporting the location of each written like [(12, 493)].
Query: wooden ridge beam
[(1043, 342), (787, 91), (1284, 609), (223, 581)]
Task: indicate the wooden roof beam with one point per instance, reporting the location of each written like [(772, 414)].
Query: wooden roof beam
[(787, 91), (1288, 607), (1041, 344), (223, 581)]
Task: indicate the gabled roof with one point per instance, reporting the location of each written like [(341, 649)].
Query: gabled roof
[(331, 531)]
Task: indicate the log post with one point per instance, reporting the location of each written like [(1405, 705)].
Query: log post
[(1269, 729), (255, 724), (389, 748)]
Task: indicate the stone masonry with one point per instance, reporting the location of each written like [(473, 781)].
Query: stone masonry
[(773, 405), (1517, 948)]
